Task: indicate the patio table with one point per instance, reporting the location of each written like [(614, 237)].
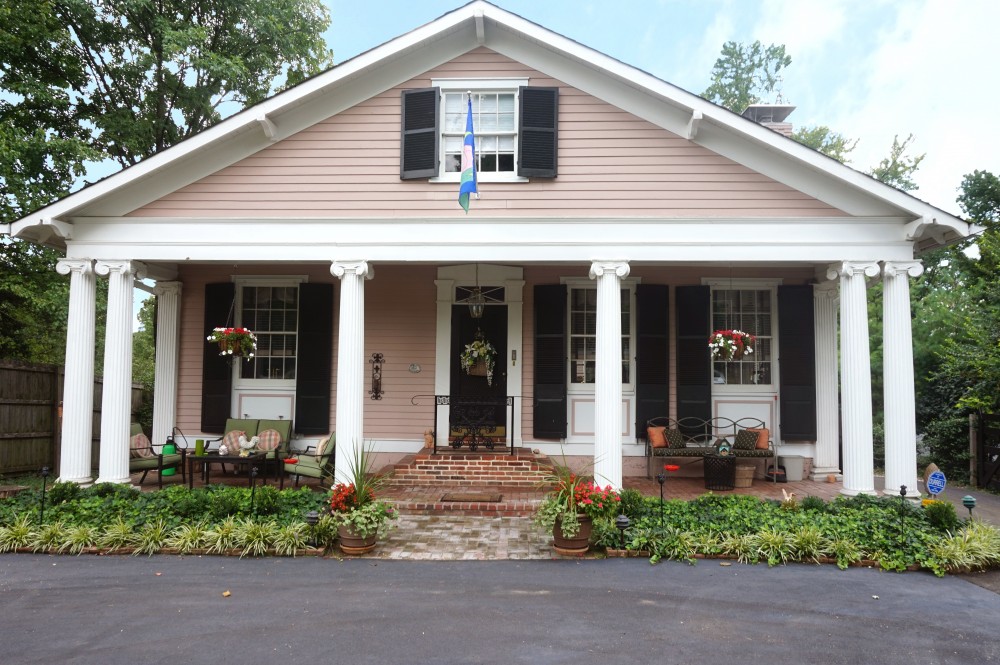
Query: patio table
[(209, 458)]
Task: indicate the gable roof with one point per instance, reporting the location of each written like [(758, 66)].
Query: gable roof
[(476, 24)]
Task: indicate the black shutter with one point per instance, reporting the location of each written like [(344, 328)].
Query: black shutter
[(797, 362), (550, 361), (216, 372), (538, 132), (314, 360), (694, 362), (652, 380), (419, 144)]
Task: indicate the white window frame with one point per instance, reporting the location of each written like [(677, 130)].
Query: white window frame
[(493, 85), (628, 389), (727, 284), (268, 281)]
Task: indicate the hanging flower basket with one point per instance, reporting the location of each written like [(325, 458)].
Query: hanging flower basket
[(478, 359), (237, 342), (728, 345)]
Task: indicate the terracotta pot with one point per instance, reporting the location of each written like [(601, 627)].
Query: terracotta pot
[(351, 543), (578, 544)]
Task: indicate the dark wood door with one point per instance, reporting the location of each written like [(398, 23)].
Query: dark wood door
[(467, 389)]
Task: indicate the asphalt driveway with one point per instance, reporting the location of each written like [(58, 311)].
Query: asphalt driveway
[(168, 609)]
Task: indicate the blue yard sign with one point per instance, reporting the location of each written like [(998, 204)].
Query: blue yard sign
[(936, 482)]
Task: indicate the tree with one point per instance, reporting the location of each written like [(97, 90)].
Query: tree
[(148, 74), (826, 141), (744, 73), (897, 169), (84, 80)]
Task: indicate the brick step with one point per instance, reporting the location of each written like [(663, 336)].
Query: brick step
[(429, 500), (524, 469)]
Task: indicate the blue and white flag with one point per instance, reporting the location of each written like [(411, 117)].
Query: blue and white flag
[(468, 184)]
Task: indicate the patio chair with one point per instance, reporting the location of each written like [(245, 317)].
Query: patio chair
[(315, 462), (143, 457)]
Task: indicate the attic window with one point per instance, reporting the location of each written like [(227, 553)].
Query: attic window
[(514, 124)]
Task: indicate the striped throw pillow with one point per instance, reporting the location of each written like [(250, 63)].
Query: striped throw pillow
[(269, 439), (139, 446)]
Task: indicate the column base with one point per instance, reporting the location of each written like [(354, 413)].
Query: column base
[(850, 491), (822, 474), (120, 481), (85, 481)]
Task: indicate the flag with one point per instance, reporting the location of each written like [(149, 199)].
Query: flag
[(468, 184)]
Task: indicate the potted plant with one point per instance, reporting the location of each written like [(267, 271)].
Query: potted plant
[(237, 342), (729, 345), (571, 508), (361, 517), (479, 351)]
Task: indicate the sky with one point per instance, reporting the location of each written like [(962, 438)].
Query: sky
[(868, 69)]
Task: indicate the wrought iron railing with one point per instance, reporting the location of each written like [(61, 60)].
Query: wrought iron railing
[(473, 421)]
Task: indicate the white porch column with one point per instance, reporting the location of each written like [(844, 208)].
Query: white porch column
[(827, 459), (350, 362), (116, 407), (897, 368), (78, 384), (608, 372), (855, 376), (168, 318)]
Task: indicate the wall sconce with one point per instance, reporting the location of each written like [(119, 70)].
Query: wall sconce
[(376, 362), (476, 301)]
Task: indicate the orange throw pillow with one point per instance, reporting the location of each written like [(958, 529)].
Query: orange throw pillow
[(763, 434), (656, 436)]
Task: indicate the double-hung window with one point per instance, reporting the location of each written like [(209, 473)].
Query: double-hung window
[(514, 124), (752, 311), (583, 336), (271, 311)]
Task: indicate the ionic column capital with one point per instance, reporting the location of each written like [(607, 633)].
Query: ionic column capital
[(121, 267), (360, 268), (81, 266), (600, 268), (853, 269), (901, 268), (167, 288), (826, 291)]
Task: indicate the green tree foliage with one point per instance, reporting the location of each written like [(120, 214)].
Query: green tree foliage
[(144, 344), (826, 141), (147, 74), (745, 73), (897, 169), (122, 79)]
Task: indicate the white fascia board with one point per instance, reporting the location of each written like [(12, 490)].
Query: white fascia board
[(748, 240)]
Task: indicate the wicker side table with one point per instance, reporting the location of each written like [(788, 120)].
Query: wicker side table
[(720, 472)]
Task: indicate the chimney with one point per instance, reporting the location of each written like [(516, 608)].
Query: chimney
[(771, 116)]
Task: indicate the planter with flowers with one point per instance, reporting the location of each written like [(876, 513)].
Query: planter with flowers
[(237, 342), (727, 345), (361, 517), (571, 509), (479, 359)]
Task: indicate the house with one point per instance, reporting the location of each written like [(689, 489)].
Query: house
[(620, 221)]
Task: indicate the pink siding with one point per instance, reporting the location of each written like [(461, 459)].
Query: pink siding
[(610, 162)]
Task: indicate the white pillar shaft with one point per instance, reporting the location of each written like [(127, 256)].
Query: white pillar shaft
[(855, 378), (78, 384), (116, 406), (350, 363), (827, 459), (168, 311), (897, 367), (608, 373)]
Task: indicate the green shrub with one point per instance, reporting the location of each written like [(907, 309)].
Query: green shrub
[(813, 503), (62, 492), (633, 503), (941, 515)]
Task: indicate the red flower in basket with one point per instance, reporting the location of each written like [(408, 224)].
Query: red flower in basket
[(729, 345)]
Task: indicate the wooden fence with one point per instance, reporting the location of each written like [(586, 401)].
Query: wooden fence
[(30, 408)]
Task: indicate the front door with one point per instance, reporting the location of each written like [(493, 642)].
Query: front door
[(478, 415)]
